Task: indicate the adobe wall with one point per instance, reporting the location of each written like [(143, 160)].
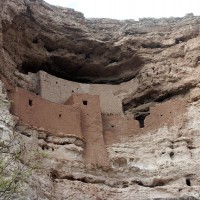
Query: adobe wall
[(95, 152), (58, 90), (117, 128), (57, 119), (170, 113)]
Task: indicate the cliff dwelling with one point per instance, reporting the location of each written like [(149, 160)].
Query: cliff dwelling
[(97, 108), (65, 108)]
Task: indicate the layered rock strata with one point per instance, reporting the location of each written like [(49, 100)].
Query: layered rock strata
[(158, 60)]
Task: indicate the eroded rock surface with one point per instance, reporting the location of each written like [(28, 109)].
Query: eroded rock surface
[(162, 54), (160, 161), (158, 58)]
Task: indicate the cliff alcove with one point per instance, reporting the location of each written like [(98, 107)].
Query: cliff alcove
[(112, 104)]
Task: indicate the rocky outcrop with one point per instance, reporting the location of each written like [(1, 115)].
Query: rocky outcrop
[(161, 54), (158, 58), (160, 162), (61, 41)]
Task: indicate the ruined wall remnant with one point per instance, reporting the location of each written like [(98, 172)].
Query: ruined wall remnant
[(118, 127), (57, 119), (169, 113)]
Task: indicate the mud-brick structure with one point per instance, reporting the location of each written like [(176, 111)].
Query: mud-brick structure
[(147, 70), (92, 129), (57, 119), (80, 115), (58, 90), (116, 126)]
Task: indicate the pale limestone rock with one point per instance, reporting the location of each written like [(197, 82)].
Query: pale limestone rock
[(161, 56), (195, 94)]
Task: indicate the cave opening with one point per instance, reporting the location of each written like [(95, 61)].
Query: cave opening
[(140, 119), (141, 115), (188, 182), (72, 69), (153, 96), (179, 40), (152, 45), (56, 67), (171, 155)]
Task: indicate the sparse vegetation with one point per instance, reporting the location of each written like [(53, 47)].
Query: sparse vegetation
[(14, 171)]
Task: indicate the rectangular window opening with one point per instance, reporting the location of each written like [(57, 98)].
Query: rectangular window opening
[(30, 102), (85, 102)]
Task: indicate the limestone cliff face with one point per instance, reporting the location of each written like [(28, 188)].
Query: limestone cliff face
[(161, 54), (159, 59)]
